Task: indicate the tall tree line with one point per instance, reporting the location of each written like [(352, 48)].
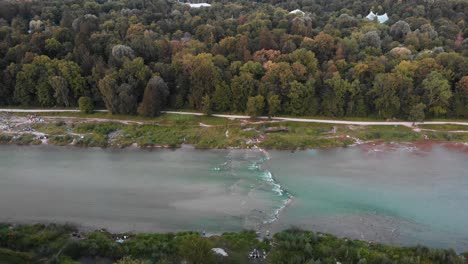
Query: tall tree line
[(138, 57)]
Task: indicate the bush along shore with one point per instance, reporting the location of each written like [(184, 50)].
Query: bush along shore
[(172, 131), (65, 244)]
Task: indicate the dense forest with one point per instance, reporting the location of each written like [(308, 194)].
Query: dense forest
[(254, 57)]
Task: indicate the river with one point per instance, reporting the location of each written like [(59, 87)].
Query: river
[(393, 193)]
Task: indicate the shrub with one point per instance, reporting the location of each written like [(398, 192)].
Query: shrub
[(86, 105), (93, 140), (10, 256), (26, 139), (5, 139), (61, 140)]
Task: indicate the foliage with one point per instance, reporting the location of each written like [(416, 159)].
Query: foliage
[(13, 257), (255, 106), (5, 138), (143, 56), (154, 98), (86, 105), (61, 140), (29, 244), (304, 246), (206, 105), (417, 113), (436, 93), (25, 139), (173, 130), (274, 105), (195, 250)]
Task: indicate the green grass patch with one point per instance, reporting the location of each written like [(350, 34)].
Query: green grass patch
[(448, 136), (152, 135), (388, 133), (293, 141), (97, 127), (348, 118), (445, 127), (56, 128)]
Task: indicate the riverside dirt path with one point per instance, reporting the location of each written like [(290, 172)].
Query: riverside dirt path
[(330, 121), (305, 120)]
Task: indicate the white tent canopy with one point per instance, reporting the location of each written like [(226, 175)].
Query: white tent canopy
[(382, 18), (199, 5), (297, 11), (371, 16)]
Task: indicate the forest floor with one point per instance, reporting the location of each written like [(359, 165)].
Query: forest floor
[(172, 129)]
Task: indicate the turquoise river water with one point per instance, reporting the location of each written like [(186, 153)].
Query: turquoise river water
[(393, 193)]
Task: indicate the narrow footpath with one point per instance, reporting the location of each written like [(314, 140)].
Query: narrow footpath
[(305, 120)]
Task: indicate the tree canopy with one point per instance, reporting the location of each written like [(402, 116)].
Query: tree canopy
[(328, 60)]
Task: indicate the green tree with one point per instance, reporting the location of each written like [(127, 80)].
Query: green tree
[(274, 105), (49, 82), (32, 83), (196, 250), (400, 29), (461, 98), (277, 79), (337, 96), (61, 91), (207, 105), (122, 89), (154, 98), (417, 113), (385, 94), (242, 87), (107, 87), (255, 106), (128, 260), (53, 46), (71, 72), (300, 98), (372, 39), (86, 105), (436, 93), (204, 76), (222, 97)]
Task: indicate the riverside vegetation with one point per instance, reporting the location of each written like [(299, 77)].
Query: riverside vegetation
[(64, 244), (173, 130)]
